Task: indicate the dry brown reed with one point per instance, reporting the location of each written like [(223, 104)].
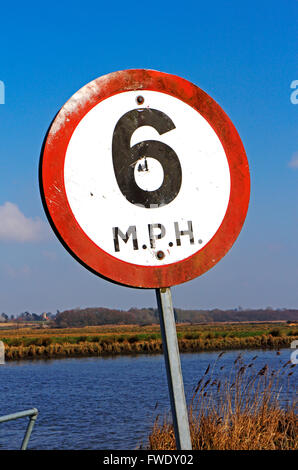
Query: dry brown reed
[(85, 349), (241, 411), (136, 345), (23, 343)]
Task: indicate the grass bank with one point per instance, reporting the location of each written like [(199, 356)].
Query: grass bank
[(28, 343), (237, 410)]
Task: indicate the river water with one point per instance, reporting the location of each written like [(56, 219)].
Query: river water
[(104, 403)]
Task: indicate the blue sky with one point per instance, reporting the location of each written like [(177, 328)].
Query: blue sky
[(244, 54)]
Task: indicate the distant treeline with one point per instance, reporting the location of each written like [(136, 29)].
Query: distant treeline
[(147, 316)]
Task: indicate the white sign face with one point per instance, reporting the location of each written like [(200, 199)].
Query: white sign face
[(147, 178)]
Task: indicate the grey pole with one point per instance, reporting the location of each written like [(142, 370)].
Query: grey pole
[(173, 367), (29, 430), (32, 414)]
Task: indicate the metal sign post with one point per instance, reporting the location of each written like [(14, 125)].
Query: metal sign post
[(173, 367)]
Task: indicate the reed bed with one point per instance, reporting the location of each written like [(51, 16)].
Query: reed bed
[(238, 410), (49, 347), (22, 343)]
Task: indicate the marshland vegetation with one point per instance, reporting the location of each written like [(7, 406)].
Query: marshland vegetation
[(28, 343), (238, 409)]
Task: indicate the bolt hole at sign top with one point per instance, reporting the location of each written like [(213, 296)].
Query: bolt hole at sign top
[(140, 99)]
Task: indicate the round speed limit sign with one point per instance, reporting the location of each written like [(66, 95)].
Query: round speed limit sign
[(144, 178)]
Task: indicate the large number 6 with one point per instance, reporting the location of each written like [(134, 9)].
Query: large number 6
[(125, 158)]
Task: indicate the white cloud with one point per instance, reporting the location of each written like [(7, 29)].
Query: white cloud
[(293, 163), (15, 226)]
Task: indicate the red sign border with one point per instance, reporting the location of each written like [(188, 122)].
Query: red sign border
[(60, 215)]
